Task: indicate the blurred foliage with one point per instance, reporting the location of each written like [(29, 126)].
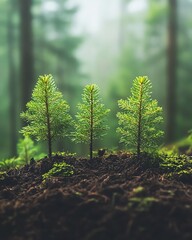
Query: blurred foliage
[(183, 146), (26, 150), (7, 164)]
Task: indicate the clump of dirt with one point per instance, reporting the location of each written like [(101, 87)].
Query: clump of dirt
[(113, 198)]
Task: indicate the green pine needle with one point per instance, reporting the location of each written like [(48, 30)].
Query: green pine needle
[(140, 118)]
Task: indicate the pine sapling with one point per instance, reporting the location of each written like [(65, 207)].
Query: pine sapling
[(90, 119), (140, 118), (47, 113), (26, 149)]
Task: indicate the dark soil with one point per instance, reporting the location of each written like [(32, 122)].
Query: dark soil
[(116, 198)]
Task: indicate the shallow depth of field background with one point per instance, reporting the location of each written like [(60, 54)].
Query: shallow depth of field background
[(107, 42)]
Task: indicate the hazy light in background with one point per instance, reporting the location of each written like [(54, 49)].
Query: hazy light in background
[(92, 14), (49, 6), (88, 16), (137, 6)]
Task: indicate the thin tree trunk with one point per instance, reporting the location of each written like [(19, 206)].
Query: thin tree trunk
[(26, 50), (91, 128), (171, 71), (48, 124), (26, 155), (12, 82), (139, 122)]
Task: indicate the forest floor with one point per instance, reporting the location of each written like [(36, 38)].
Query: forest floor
[(116, 198)]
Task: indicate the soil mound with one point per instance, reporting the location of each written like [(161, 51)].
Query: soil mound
[(113, 198)]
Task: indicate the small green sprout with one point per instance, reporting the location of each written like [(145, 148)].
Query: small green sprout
[(26, 150), (3, 175)]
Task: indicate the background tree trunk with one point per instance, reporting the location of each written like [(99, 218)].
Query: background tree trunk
[(12, 80), (171, 71), (26, 50)]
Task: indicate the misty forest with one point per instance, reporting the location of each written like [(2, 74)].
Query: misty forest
[(96, 119)]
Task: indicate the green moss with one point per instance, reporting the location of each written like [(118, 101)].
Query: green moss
[(176, 164), (141, 203), (138, 190), (64, 154), (3, 174), (59, 170)]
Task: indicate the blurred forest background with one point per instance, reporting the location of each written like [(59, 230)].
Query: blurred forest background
[(107, 42)]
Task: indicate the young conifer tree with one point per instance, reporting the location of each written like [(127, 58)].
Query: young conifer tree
[(47, 113), (90, 118), (139, 118), (26, 149)]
